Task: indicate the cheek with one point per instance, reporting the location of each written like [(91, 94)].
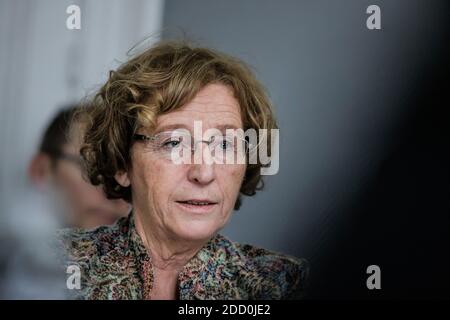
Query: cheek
[(237, 175), (154, 180), (231, 182), (74, 190), (70, 179)]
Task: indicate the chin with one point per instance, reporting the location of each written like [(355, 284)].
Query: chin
[(197, 230)]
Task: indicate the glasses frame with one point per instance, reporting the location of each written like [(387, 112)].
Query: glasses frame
[(142, 137)]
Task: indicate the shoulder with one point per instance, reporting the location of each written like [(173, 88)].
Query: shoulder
[(80, 243), (93, 250), (267, 274), (97, 254)]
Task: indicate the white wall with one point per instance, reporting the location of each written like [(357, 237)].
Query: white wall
[(43, 66)]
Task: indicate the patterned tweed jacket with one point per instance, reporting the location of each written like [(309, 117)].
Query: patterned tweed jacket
[(115, 264)]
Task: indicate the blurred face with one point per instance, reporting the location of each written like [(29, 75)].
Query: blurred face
[(86, 204), (188, 201)]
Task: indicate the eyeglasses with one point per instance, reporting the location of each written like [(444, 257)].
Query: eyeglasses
[(77, 160), (179, 145), (61, 155)]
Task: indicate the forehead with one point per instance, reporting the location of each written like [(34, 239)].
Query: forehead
[(215, 106)]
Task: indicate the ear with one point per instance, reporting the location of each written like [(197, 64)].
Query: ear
[(122, 178), (39, 169)]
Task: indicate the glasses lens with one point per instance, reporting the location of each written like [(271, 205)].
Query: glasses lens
[(179, 144)]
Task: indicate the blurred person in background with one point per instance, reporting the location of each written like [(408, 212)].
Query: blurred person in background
[(56, 169)]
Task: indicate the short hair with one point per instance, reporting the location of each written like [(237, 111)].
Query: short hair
[(56, 134), (157, 81)]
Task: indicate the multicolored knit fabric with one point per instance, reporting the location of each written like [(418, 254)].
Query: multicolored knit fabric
[(115, 264)]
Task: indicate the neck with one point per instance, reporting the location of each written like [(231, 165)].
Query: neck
[(168, 254)]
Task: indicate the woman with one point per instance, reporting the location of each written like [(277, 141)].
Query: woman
[(169, 246)]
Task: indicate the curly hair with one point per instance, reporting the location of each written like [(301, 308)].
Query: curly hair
[(157, 81)]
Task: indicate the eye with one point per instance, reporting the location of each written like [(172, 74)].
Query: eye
[(226, 144), (172, 143)]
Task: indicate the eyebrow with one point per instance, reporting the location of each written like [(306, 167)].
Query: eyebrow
[(171, 127)]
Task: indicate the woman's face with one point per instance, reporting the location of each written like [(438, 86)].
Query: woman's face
[(162, 188)]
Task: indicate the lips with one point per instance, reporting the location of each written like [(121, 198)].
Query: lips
[(197, 205), (198, 202)]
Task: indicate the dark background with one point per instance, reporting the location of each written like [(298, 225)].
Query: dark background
[(364, 173)]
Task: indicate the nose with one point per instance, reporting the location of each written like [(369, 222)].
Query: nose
[(201, 170)]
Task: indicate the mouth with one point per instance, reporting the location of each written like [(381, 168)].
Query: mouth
[(197, 205)]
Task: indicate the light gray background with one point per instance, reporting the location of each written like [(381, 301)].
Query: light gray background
[(338, 89)]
